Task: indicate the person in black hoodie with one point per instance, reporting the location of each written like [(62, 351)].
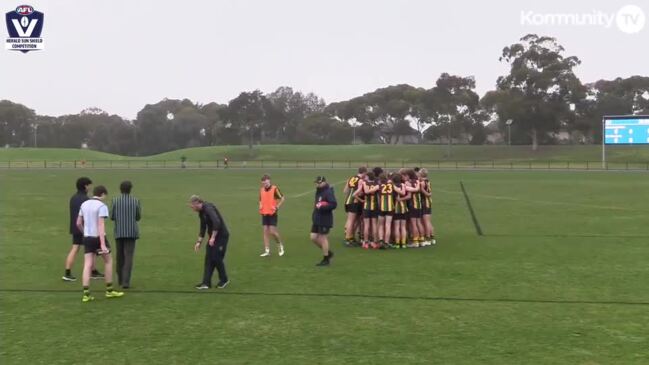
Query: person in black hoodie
[(323, 218), (212, 223)]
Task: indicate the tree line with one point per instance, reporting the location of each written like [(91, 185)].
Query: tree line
[(537, 102)]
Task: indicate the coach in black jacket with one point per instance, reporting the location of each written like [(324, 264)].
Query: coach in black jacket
[(323, 218), (213, 224)]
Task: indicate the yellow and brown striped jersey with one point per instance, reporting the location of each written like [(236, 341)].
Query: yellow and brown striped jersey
[(415, 202), (386, 197), (427, 201), (370, 199), (400, 206), (352, 186)]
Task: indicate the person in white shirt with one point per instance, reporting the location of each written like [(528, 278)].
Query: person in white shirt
[(91, 222)]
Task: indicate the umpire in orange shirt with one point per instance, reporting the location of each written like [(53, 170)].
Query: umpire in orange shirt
[(270, 199)]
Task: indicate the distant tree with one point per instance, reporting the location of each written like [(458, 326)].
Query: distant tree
[(538, 90), (610, 97), (381, 113), (246, 114), (320, 128), (289, 110), (188, 127), (16, 122), (452, 106)]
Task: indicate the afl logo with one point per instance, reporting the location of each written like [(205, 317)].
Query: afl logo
[(24, 10), (24, 25)]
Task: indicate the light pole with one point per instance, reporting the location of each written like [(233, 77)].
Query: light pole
[(354, 123), (509, 131), (35, 126)]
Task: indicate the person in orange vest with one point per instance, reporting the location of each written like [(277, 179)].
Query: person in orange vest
[(270, 199)]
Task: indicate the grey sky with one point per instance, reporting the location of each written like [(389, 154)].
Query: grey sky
[(121, 55)]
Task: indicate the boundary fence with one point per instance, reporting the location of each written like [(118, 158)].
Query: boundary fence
[(329, 164)]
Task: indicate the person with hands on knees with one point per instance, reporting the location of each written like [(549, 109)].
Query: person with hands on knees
[(212, 223)]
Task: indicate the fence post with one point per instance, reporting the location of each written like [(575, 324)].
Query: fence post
[(548, 164), (332, 164), (511, 165), (587, 165), (456, 167), (474, 164), (110, 164), (403, 164), (199, 164), (568, 165), (45, 163), (128, 164), (349, 164)]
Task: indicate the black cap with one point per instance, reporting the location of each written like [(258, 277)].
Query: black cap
[(320, 179)]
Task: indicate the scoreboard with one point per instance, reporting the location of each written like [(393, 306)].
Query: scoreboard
[(626, 129)]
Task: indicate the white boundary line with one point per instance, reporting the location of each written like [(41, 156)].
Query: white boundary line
[(546, 202), (312, 191)]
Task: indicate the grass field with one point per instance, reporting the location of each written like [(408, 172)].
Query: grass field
[(560, 276), (374, 153)]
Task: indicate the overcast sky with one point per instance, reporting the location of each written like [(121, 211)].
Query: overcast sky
[(121, 55)]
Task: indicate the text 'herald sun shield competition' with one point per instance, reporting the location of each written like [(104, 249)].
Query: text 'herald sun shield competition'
[(24, 25)]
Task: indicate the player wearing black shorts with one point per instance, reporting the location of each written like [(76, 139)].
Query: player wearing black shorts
[(353, 206), (414, 206), (370, 210), (322, 218), (83, 184), (386, 195), (426, 209), (92, 222), (400, 212), (270, 200)]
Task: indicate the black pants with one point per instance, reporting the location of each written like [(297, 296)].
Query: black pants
[(214, 256), (125, 252)]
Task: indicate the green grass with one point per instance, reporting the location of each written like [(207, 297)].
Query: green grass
[(360, 153), (560, 276)]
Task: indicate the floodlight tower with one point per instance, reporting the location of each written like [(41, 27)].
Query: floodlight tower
[(509, 131)]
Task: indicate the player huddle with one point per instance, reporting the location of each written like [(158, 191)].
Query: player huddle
[(388, 209)]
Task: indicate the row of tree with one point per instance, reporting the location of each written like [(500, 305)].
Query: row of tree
[(540, 97)]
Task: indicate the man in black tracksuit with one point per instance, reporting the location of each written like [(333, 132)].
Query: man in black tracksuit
[(323, 218), (212, 223)]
